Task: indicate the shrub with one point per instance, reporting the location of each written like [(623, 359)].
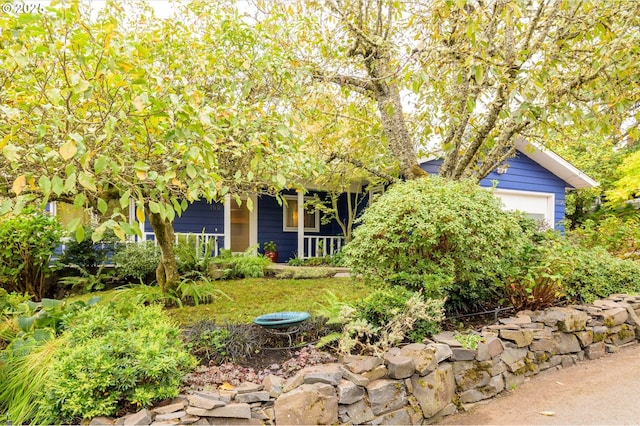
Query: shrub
[(620, 236), (385, 318), (116, 356), (86, 254), (30, 329), (243, 265), (536, 277), (446, 237), (597, 274), (137, 261), (27, 243)]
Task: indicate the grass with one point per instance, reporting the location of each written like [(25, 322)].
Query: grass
[(252, 297)]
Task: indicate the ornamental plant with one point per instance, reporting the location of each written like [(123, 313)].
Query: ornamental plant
[(27, 242), (114, 356), (450, 238)]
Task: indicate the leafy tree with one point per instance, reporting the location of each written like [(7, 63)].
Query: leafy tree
[(152, 112), (478, 74)]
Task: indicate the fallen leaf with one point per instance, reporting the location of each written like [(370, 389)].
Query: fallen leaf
[(547, 413), (226, 386)]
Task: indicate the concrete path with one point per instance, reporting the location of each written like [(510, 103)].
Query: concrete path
[(605, 391)]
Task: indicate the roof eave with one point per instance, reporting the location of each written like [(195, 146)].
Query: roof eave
[(556, 164)]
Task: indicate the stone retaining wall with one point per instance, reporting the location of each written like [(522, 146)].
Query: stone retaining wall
[(418, 383)]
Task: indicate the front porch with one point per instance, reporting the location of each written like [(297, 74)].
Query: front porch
[(312, 245)]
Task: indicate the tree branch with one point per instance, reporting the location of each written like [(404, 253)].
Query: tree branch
[(360, 164)]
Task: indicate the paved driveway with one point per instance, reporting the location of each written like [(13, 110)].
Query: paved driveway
[(605, 391)]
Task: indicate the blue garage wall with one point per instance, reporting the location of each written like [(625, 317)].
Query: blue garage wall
[(523, 174)]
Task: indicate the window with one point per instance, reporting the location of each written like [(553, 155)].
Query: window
[(290, 217)]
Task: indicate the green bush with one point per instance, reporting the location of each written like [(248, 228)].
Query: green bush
[(597, 274), (535, 280), (449, 238), (29, 331), (385, 318), (620, 236), (86, 254), (115, 356), (242, 265), (137, 261), (27, 243)]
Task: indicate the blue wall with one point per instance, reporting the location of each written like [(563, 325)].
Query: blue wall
[(523, 174)]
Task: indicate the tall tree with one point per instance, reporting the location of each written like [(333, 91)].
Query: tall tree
[(466, 78), (154, 112)]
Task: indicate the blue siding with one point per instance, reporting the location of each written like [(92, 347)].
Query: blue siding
[(270, 227), (199, 217), (523, 174)]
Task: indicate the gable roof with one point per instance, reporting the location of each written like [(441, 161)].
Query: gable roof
[(550, 161), (555, 164)]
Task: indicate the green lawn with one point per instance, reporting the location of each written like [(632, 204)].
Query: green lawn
[(249, 298)]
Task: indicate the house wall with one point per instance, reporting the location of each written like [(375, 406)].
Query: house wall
[(270, 227), (523, 174), (201, 216)]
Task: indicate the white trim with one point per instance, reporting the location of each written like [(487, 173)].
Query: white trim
[(253, 221), (227, 222), (300, 198), (555, 164), (550, 211), (285, 207), (377, 190)]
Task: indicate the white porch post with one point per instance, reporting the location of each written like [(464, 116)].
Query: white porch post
[(253, 222), (301, 224), (227, 222)]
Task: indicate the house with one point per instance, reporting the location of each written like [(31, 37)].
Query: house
[(535, 182)]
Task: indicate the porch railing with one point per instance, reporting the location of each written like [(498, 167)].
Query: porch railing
[(321, 246), (199, 241)]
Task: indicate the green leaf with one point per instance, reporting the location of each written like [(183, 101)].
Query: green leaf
[(57, 185), (154, 207), (100, 164), (125, 199), (5, 206), (87, 181), (45, 185), (48, 304), (25, 323), (102, 206), (70, 183)]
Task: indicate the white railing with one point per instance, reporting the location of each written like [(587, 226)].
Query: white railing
[(200, 241), (320, 246)]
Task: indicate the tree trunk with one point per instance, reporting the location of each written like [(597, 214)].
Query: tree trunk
[(395, 128), (167, 271)]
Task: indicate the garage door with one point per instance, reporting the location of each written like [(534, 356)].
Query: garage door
[(537, 205)]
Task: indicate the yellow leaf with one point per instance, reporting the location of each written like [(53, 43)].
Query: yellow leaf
[(137, 102), (141, 174), (226, 386), (140, 214), (68, 149), (19, 184)]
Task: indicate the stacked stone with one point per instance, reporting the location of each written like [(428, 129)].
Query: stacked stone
[(418, 383)]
